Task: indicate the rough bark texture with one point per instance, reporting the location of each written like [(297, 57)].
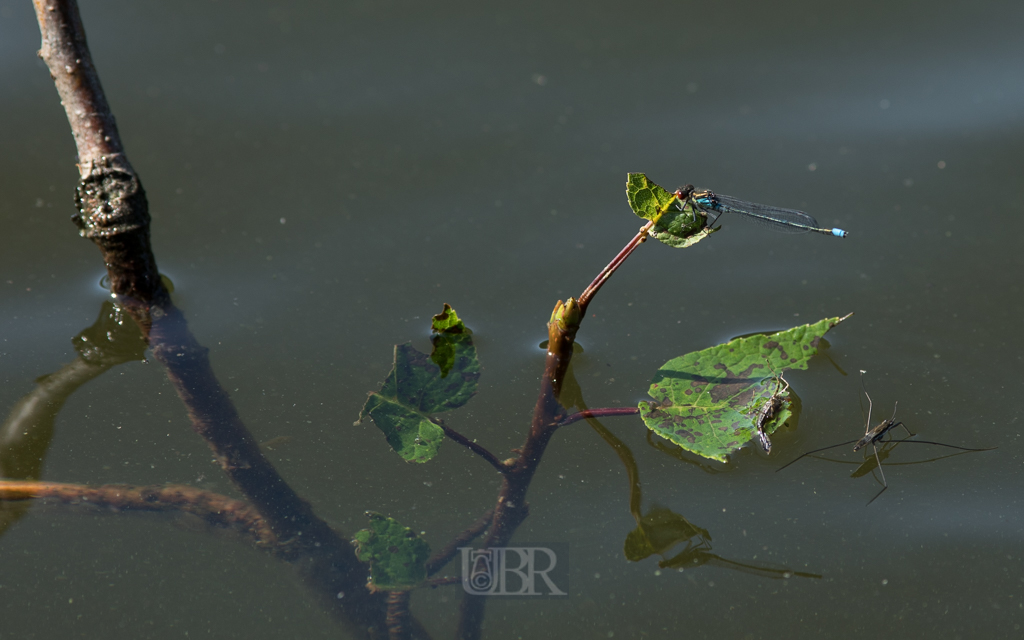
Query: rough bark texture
[(113, 213), (112, 207), (66, 53)]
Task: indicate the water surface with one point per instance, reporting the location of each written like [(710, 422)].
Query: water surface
[(324, 176)]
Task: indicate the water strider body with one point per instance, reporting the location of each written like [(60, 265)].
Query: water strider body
[(873, 436)]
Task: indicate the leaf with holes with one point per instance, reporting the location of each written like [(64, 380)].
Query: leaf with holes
[(706, 402), (420, 385)]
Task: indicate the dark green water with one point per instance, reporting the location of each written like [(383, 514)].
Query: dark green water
[(476, 155)]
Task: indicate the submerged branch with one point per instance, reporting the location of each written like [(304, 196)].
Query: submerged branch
[(548, 415), (599, 413), (215, 418), (511, 508), (438, 561), (212, 508), (398, 615), (113, 212)]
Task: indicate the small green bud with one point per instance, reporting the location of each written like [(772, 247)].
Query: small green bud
[(567, 315)]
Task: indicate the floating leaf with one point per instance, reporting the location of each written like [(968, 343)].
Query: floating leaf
[(397, 556), (706, 401), (417, 386), (676, 226)]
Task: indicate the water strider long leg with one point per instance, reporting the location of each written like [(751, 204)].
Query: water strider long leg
[(815, 451), (885, 485), (941, 444), (876, 435), (905, 428)]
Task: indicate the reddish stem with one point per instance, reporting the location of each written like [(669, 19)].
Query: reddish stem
[(599, 413), (606, 273), (211, 507), (478, 449)]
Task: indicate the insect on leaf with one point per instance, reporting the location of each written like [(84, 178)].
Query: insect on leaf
[(675, 226), (706, 401)]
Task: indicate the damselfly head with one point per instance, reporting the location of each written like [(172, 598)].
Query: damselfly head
[(684, 192)]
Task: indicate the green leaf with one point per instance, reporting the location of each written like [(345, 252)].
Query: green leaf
[(411, 434), (453, 342), (397, 556), (675, 227), (418, 386), (447, 320), (706, 401)]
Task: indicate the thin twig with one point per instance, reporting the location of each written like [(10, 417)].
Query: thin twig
[(599, 413), (606, 273), (478, 449), (212, 507), (441, 558)]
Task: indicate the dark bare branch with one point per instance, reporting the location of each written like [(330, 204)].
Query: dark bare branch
[(113, 213), (66, 53)]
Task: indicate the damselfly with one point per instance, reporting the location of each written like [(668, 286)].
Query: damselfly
[(774, 218)]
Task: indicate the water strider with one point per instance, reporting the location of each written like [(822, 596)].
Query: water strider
[(874, 435), (774, 218)]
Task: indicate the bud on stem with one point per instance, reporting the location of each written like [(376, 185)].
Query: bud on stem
[(566, 315)]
